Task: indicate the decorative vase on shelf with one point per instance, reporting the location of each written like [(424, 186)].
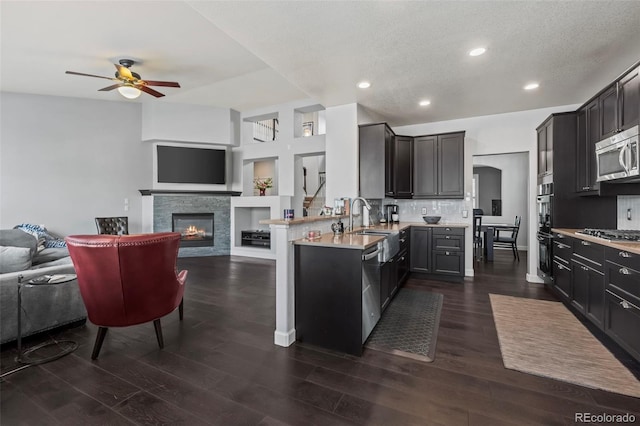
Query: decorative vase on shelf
[(262, 191)]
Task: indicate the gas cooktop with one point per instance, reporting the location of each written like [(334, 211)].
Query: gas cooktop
[(622, 235)]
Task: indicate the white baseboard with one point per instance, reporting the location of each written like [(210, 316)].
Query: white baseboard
[(469, 272), (284, 339), (534, 279)]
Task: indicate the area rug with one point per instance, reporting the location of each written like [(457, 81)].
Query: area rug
[(544, 338), (409, 325)]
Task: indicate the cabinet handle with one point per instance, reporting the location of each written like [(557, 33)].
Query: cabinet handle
[(624, 271), (447, 229), (625, 304), (561, 266), (447, 237), (402, 258), (584, 268), (559, 236), (402, 240), (585, 243), (624, 254), (447, 253)]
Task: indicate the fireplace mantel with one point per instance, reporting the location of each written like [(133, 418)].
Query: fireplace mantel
[(144, 192)]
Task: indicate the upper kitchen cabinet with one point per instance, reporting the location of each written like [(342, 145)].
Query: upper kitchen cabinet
[(402, 168), (587, 135), (619, 105), (439, 166), (545, 148), (376, 143)]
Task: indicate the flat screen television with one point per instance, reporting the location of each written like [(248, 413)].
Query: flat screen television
[(191, 165)]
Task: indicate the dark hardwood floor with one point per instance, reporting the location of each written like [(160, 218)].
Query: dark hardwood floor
[(220, 366)]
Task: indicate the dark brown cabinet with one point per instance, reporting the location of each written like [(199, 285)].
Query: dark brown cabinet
[(545, 148), (622, 299), (438, 251), (562, 251), (420, 249), (587, 135), (439, 166), (619, 105), (401, 168), (376, 144)]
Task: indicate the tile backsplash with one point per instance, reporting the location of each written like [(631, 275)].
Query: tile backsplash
[(411, 210), (626, 203)]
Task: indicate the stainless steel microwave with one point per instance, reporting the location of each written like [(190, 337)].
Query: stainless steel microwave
[(617, 157)]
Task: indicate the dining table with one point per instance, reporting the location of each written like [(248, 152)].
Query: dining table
[(488, 231)]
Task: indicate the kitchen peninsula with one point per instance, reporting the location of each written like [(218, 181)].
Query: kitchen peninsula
[(343, 283)]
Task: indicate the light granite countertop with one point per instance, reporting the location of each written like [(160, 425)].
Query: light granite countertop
[(362, 242)]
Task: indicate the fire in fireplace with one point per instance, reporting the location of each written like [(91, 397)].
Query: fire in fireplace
[(196, 229)]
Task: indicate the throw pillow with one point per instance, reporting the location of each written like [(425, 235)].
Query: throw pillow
[(14, 259), (39, 231), (18, 238)]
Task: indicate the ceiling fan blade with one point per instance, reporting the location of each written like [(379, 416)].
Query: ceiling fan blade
[(124, 72), (148, 90), (115, 86), (161, 83), (90, 75)]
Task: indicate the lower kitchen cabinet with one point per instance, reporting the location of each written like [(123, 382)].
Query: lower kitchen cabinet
[(588, 291), (438, 251), (562, 279), (622, 299), (603, 284), (388, 282), (329, 299)]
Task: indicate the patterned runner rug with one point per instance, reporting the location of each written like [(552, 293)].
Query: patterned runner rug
[(409, 325), (544, 338)]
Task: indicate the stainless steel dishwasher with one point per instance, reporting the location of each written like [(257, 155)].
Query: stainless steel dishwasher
[(371, 266)]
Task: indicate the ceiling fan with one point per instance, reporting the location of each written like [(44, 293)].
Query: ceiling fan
[(130, 85)]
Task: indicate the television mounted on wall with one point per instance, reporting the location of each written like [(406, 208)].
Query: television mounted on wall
[(191, 165)]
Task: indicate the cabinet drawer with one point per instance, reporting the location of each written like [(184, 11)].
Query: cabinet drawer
[(622, 322), (447, 242), (623, 280), (448, 263), (445, 230), (624, 258), (562, 248), (592, 253)]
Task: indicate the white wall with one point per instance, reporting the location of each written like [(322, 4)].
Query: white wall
[(499, 134), (342, 151), (64, 161)]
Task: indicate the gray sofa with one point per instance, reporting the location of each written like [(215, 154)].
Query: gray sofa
[(43, 307)]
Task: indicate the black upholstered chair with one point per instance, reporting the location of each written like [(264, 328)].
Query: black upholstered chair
[(510, 240), (113, 225)]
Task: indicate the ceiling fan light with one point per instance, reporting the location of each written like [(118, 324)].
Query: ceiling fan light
[(129, 92)]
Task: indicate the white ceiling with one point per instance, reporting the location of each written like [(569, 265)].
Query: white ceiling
[(247, 55)]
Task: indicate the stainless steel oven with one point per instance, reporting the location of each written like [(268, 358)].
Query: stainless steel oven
[(618, 156), (545, 257), (545, 238)]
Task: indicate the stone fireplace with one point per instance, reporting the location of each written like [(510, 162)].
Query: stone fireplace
[(163, 206), (196, 229)]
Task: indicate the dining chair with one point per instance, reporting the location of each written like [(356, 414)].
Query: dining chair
[(477, 237), (113, 225), (127, 280), (510, 240)]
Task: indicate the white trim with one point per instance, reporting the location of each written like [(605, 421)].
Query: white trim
[(469, 272), (284, 339), (534, 279)]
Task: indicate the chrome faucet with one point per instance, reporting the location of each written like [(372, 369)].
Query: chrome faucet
[(353, 202)]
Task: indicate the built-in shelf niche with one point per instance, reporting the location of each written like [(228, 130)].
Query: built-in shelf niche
[(309, 121), (260, 168), (263, 128)]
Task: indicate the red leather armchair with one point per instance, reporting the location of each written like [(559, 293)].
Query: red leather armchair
[(128, 279)]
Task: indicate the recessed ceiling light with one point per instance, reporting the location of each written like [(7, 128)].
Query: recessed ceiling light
[(531, 86), (477, 51), (364, 84), (425, 103)]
